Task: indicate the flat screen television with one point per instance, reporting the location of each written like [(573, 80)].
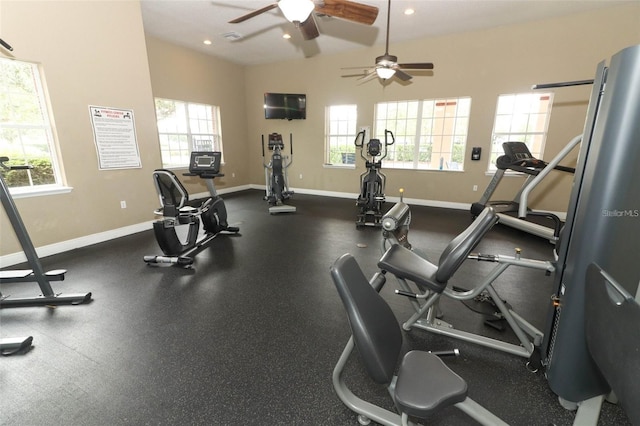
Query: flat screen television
[(287, 106)]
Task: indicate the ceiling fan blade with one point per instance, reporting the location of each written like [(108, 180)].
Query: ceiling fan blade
[(402, 75), (367, 77), (254, 13), (365, 72), (416, 66), (309, 29), (349, 10), (369, 73)]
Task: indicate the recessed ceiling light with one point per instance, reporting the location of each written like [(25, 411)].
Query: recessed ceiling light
[(207, 42), (286, 36), (409, 11)]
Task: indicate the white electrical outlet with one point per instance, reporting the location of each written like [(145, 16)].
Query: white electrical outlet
[(475, 187), (123, 204), (300, 175), (233, 175)]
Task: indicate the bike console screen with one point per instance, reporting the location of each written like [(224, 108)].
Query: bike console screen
[(205, 162)]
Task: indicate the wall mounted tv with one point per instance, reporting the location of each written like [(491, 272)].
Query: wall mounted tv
[(285, 106)]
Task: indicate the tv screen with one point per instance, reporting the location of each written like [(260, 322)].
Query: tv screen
[(285, 106)]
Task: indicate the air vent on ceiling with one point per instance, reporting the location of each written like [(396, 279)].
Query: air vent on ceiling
[(232, 36)]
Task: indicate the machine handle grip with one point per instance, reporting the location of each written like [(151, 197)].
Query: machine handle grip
[(483, 257), (6, 45), (407, 294), (453, 352), (393, 139), (4, 159), (291, 144), (360, 136)]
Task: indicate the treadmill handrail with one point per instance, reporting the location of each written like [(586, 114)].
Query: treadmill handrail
[(524, 195)]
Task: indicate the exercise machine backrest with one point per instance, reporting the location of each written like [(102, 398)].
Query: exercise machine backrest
[(173, 195), (612, 326), (376, 332), (459, 248)]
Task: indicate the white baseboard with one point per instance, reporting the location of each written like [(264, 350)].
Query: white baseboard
[(51, 249), (87, 240), (221, 191), (354, 196)]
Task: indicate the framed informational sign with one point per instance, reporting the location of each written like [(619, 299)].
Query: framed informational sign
[(114, 132)]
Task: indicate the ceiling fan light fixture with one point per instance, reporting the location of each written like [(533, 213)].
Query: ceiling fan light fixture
[(385, 73), (296, 10)]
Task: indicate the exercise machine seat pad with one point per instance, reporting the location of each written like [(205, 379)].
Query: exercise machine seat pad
[(425, 384), (404, 263)]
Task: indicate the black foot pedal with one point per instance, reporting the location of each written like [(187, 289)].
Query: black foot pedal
[(497, 324)]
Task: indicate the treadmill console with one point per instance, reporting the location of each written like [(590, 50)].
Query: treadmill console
[(517, 151)]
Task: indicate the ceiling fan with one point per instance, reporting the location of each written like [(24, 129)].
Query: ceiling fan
[(299, 12), (387, 65)]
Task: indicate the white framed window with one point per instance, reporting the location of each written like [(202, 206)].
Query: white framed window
[(430, 134), (340, 133), (184, 127), (26, 131), (522, 117)]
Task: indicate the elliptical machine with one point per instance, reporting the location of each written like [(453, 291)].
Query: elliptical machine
[(372, 182), (275, 174), (178, 212), (35, 273)]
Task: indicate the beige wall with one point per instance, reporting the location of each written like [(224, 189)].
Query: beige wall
[(187, 75), (95, 53), (481, 65)]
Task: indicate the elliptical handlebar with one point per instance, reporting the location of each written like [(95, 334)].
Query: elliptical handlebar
[(360, 133), (386, 143), (19, 167)]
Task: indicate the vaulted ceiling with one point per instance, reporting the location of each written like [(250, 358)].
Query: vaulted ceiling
[(260, 40)]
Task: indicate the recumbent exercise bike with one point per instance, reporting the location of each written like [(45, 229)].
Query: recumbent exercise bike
[(373, 181), (178, 211)]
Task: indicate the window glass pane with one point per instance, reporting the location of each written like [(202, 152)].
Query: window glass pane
[(341, 123), (184, 127), (505, 104), (521, 117), (502, 124), (461, 126), (430, 134), (26, 135)]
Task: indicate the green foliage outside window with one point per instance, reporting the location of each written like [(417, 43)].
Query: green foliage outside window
[(41, 173)]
